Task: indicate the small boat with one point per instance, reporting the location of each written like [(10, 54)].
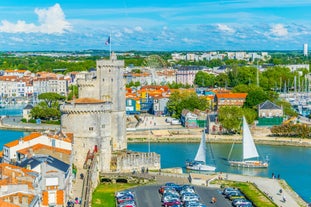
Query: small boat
[(250, 154), (199, 162)]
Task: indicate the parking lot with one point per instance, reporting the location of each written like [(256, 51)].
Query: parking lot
[(148, 196)]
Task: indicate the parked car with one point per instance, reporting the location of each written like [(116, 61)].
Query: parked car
[(228, 190), (190, 197), (169, 197), (123, 193), (129, 203), (125, 198), (245, 205), (233, 195), (165, 188), (171, 203), (174, 185), (240, 201), (193, 204)]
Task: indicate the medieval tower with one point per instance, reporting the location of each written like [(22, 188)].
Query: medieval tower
[(98, 120)]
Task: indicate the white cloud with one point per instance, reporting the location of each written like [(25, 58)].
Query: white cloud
[(138, 29), (225, 28), (16, 39), (279, 30), (128, 31), (118, 34), (187, 40), (51, 21)]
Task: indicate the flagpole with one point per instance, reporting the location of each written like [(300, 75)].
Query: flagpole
[(110, 45)]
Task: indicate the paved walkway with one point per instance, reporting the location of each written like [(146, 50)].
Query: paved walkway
[(271, 187), (77, 185)]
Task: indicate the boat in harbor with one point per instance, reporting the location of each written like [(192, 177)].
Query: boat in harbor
[(199, 162), (250, 156)]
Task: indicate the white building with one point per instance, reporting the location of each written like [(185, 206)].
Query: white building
[(305, 49), (10, 149)]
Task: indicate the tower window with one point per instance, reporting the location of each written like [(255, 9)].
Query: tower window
[(111, 79), (91, 128), (103, 79)]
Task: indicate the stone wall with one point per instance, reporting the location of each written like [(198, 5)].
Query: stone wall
[(137, 161)]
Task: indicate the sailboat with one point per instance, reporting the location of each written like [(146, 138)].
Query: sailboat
[(250, 153), (199, 162)]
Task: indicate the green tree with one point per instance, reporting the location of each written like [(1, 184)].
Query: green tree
[(230, 118), (43, 111), (222, 80), (179, 101), (51, 99), (203, 79)]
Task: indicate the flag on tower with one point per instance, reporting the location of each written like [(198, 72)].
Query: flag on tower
[(108, 41)]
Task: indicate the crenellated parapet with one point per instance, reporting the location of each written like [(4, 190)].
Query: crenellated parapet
[(85, 108), (86, 83)]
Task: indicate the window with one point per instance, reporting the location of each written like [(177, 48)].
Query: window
[(91, 128)]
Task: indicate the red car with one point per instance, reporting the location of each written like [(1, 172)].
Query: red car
[(172, 203)]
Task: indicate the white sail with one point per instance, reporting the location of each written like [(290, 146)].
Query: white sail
[(201, 154), (249, 148)]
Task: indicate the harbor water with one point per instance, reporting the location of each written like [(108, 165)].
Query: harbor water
[(289, 162)]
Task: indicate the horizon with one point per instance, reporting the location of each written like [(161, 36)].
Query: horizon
[(199, 25)]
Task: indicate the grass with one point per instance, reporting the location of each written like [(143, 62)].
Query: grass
[(103, 196), (250, 191)]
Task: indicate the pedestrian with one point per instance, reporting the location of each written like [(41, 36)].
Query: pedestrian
[(278, 176), (280, 191), (213, 200), (284, 198)]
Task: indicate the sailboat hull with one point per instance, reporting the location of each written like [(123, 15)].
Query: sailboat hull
[(199, 166), (249, 164)]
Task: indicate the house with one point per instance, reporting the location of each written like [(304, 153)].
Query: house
[(19, 186), (26, 112), (56, 178), (20, 199), (56, 152), (269, 114), (188, 119), (132, 105), (58, 140), (195, 119), (159, 105), (229, 99)]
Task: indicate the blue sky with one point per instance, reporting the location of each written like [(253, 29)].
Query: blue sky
[(162, 25)]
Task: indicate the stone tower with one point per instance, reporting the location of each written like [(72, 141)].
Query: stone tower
[(98, 121), (97, 118)]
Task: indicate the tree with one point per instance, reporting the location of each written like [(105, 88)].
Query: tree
[(179, 101), (51, 99), (222, 80), (230, 118), (203, 79), (42, 111)]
